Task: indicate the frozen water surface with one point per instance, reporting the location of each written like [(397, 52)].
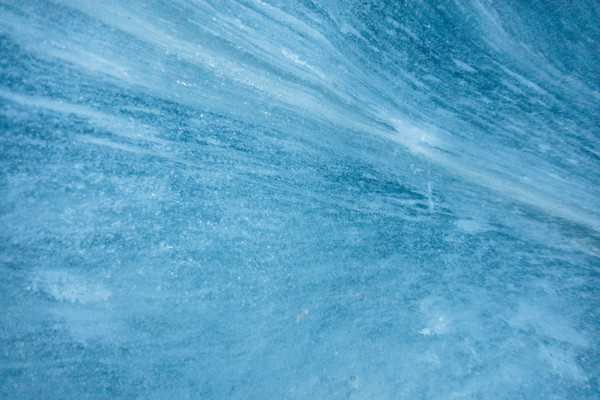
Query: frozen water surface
[(299, 200)]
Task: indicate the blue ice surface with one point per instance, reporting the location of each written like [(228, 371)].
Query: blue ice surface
[(353, 199)]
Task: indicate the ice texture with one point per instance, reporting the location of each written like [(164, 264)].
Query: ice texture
[(355, 199)]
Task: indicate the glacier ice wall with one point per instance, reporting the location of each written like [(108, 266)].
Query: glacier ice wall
[(304, 200)]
